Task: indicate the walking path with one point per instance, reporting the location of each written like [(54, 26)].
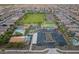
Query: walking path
[(31, 45), (46, 51)]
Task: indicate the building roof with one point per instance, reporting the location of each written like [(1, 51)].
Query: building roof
[(34, 39), (17, 39)]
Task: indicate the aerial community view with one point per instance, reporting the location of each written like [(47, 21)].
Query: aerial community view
[(39, 29)]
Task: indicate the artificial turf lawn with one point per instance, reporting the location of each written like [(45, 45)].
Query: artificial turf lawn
[(32, 18)]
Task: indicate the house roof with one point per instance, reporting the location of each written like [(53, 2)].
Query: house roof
[(74, 29), (3, 29)]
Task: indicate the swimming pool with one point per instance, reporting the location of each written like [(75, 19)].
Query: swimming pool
[(75, 41), (22, 31), (28, 37)]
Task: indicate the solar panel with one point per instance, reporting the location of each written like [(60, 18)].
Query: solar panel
[(41, 38), (59, 38)]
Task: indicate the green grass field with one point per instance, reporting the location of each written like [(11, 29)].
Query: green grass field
[(32, 18), (49, 24)]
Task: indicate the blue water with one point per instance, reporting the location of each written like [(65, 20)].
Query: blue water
[(75, 42), (29, 37), (20, 30)]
